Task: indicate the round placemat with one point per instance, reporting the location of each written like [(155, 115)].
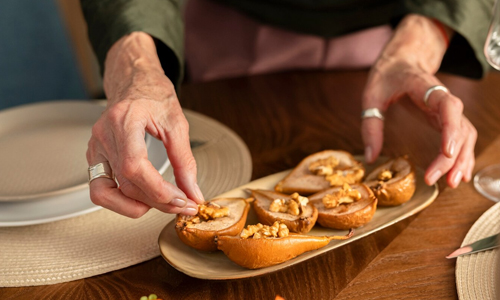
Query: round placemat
[(104, 241), (477, 273)]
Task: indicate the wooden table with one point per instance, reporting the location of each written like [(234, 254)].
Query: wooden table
[(283, 118)]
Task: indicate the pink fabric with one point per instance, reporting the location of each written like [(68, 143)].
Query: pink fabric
[(221, 43)]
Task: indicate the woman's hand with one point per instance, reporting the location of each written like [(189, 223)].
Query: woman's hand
[(141, 99), (407, 67)]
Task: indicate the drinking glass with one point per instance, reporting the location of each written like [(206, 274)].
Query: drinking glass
[(487, 181)]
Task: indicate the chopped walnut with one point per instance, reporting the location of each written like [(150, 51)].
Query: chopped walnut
[(324, 166), (278, 205), (349, 176), (346, 195), (212, 211), (207, 212), (293, 206), (264, 231), (385, 175)]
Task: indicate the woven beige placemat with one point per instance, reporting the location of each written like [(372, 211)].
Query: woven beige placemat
[(477, 273), (104, 241)]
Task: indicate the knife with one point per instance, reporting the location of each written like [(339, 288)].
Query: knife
[(481, 245)]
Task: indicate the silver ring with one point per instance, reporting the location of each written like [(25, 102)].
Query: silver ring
[(101, 170), (372, 113), (432, 89)]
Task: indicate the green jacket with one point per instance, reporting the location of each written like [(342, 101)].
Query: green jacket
[(109, 20)]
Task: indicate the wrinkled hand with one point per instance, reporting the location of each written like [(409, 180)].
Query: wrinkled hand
[(141, 99), (398, 73)]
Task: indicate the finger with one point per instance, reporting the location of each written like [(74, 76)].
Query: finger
[(458, 171), (104, 192), (465, 160), (440, 166), (372, 131), (469, 144), (182, 159), (133, 165), (175, 206), (470, 169), (450, 110)]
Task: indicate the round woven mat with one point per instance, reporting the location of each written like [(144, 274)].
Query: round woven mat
[(477, 273), (104, 241)]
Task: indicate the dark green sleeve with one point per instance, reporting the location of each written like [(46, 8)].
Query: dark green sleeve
[(470, 19), (109, 20)]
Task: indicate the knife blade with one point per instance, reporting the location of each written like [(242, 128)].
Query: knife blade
[(481, 245)]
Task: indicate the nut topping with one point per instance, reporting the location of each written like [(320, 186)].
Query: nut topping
[(385, 175), (207, 212), (264, 231), (294, 206), (329, 167), (324, 166), (346, 195), (347, 176)]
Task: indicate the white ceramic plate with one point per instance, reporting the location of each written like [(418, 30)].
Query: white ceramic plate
[(68, 202), (217, 266), (43, 148)]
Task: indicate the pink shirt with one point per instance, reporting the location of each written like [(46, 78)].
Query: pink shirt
[(221, 42)]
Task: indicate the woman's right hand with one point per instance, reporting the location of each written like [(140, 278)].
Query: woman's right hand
[(141, 99)]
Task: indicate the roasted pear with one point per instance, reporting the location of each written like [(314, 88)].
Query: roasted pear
[(394, 182), (260, 246), (218, 217), (295, 211), (349, 206), (320, 171)]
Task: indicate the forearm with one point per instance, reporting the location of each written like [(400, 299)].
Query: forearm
[(418, 41), (132, 58)]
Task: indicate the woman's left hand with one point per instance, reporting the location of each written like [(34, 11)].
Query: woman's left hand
[(406, 68)]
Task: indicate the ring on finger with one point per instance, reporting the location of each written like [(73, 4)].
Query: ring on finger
[(372, 113), (100, 170), (432, 89)]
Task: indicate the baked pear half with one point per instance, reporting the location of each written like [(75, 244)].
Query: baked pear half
[(295, 211), (349, 206), (394, 182), (259, 246), (218, 217), (320, 171)]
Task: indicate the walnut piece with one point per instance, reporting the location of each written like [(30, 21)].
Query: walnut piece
[(337, 176), (207, 212), (385, 175), (293, 206), (324, 166), (346, 195), (264, 231), (349, 176)]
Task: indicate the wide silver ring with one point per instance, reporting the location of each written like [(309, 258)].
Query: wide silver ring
[(432, 89), (372, 113), (101, 170)]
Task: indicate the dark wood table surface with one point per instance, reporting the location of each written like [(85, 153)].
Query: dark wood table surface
[(283, 118)]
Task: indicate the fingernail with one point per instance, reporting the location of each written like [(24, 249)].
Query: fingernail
[(434, 177), (368, 154), (190, 211), (456, 178), (198, 193), (451, 148), (178, 202)]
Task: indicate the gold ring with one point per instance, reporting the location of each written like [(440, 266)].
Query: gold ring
[(101, 170), (432, 89), (372, 113)]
